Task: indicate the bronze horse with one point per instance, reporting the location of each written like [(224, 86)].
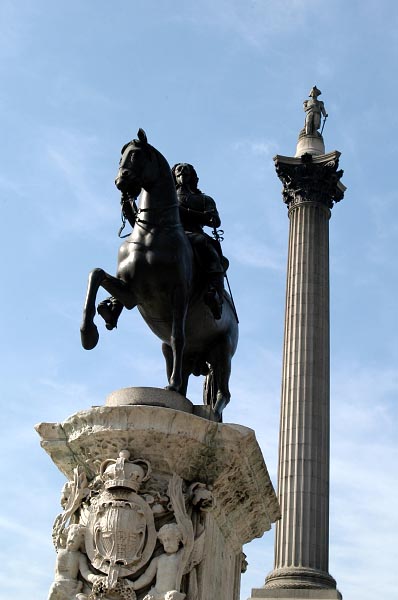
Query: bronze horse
[(156, 273)]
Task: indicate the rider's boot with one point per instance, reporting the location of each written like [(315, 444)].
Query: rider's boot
[(110, 310), (214, 296)]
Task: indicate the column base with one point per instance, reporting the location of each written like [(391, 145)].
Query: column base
[(299, 577), (294, 583), (295, 594)]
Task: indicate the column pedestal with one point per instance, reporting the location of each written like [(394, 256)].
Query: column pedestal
[(299, 594), (135, 469)]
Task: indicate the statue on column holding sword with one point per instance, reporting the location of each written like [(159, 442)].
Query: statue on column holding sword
[(314, 108)]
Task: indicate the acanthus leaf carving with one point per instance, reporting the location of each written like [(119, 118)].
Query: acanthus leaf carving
[(305, 180)]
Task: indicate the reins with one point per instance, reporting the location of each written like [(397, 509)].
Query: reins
[(137, 211)]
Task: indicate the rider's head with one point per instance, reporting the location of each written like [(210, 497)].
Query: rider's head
[(184, 173)]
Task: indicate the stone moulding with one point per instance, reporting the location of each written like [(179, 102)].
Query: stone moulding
[(225, 456)]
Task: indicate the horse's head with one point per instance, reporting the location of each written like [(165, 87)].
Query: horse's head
[(140, 166)]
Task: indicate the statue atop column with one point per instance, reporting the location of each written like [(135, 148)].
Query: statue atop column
[(313, 108), (310, 139)]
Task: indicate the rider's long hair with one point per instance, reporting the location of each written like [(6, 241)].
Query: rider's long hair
[(194, 176)]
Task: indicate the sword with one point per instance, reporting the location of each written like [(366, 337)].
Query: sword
[(219, 238), (323, 125)]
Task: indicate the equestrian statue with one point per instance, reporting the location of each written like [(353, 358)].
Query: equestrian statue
[(172, 271)]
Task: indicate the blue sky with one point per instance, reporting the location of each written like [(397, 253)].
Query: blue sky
[(219, 84)]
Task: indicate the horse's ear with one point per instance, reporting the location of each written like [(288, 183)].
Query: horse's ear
[(142, 136)]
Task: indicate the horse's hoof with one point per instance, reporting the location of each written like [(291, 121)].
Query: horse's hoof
[(172, 388), (219, 406), (89, 336)]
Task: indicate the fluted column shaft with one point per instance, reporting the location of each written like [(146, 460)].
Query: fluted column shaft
[(302, 534)]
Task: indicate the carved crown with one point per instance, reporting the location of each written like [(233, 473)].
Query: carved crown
[(124, 473)]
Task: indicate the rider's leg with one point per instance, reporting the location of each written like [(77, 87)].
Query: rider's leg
[(214, 296), (110, 310), (211, 264)]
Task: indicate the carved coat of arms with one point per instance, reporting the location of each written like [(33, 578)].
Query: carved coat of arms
[(120, 534), (112, 546)]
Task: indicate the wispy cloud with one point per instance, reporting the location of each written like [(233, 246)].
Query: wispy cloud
[(252, 21), (250, 252), (72, 158), (363, 464), (259, 147), (24, 530)]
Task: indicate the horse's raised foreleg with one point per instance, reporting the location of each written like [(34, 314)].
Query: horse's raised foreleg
[(113, 285)]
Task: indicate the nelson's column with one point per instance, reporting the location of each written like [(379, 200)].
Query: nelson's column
[(311, 186)]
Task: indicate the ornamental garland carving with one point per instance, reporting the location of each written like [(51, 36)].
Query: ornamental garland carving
[(309, 181), (129, 534)]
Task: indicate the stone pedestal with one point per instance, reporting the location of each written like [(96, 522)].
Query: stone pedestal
[(310, 144), (311, 186), (207, 478)]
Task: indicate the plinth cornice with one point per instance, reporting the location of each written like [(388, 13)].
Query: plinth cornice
[(174, 441), (310, 179)]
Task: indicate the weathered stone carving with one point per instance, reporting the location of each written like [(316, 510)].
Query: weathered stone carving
[(122, 539), (73, 493), (70, 563), (120, 534)]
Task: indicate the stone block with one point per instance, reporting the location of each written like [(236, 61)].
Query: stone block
[(185, 468)]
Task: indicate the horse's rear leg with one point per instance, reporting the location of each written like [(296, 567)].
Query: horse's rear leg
[(186, 372), (177, 340), (222, 373), (168, 355), (113, 285)]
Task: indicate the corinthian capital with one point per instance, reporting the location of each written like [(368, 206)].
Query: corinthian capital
[(310, 179)]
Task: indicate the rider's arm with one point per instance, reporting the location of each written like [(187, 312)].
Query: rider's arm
[(211, 213), (209, 216)]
